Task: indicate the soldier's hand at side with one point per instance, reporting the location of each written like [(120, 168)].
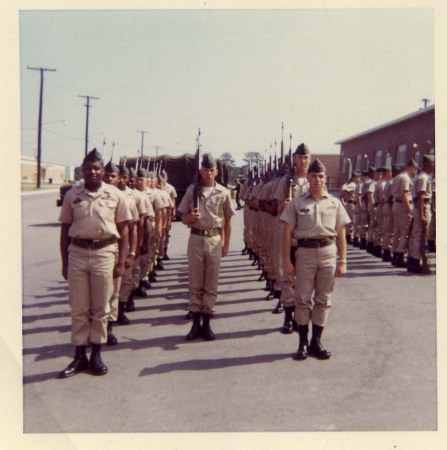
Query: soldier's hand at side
[(118, 271), (65, 270), (225, 250), (424, 221), (289, 268), (340, 270)]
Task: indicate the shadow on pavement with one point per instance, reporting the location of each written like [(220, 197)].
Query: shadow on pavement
[(207, 364)]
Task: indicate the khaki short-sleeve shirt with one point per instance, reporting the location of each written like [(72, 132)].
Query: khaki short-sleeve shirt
[(315, 219), (422, 184), (213, 210), (299, 186), (94, 215)]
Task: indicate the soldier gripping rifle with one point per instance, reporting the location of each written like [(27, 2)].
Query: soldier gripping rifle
[(197, 179)]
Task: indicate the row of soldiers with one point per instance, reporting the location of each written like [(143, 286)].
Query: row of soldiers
[(114, 236), (393, 213)]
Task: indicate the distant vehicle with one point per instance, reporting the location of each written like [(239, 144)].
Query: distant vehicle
[(64, 189)]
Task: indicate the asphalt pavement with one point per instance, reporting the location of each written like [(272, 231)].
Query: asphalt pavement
[(381, 330)]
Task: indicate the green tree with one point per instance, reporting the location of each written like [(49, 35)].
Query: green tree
[(253, 157), (227, 158)]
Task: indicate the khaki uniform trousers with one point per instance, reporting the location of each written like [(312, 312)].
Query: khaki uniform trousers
[(126, 285), (145, 260), (378, 235), (204, 255), (350, 210), (246, 223), (372, 223), (357, 221), (364, 221), (136, 272), (115, 298), (278, 231), (315, 269), (401, 228), (91, 286), (270, 226), (263, 239), (415, 244), (388, 227), (431, 232)]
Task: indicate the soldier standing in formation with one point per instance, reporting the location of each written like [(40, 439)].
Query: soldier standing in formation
[(347, 197), (209, 240), (94, 245), (316, 220)]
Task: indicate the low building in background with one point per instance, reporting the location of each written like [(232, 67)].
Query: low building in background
[(332, 163), (395, 142), (50, 173)]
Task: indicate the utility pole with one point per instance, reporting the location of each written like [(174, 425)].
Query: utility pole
[(142, 145), (156, 150), (426, 101), (39, 127), (88, 97)]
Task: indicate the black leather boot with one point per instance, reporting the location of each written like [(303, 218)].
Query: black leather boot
[(414, 265), (122, 318), (362, 244), (79, 363), (189, 315), (356, 242), (303, 346), (315, 347), (431, 246), (268, 285), (400, 262), (287, 327), (205, 329), (262, 276), (166, 257), (111, 338), (377, 251), (152, 277), (386, 255), (394, 258), (96, 365), (147, 284), (370, 247), (160, 265), (130, 305), (141, 290), (195, 329), (278, 308)]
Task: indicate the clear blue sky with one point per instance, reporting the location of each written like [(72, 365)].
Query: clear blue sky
[(328, 74)]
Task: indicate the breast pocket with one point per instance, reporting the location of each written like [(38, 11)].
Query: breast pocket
[(107, 208), (305, 220), (329, 218), (80, 209)]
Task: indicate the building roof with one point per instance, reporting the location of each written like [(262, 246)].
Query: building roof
[(388, 124)]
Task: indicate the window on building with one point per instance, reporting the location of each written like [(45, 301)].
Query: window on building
[(388, 160), (343, 165), (378, 158), (417, 157), (401, 154), (431, 151), (358, 162)]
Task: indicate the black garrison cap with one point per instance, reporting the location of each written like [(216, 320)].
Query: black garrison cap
[(124, 170), (111, 167), (428, 158), (141, 173), (316, 167), (208, 162), (93, 156), (412, 163), (302, 149)]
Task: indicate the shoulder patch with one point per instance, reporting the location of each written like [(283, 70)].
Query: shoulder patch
[(304, 210)]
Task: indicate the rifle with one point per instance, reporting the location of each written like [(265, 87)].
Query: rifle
[(425, 262), (197, 178), (291, 174)]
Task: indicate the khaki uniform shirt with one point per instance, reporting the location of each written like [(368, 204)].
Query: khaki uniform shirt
[(422, 183), (213, 210), (316, 219), (402, 183), (300, 185), (130, 197), (155, 198), (350, 190), (94, 215), (171, 191)]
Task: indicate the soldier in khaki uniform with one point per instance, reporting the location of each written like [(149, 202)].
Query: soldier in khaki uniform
[(170, 189), (364, 217), (348, 200), (431, 232), (300, 185), (94, 243), (402, 212), (209, 240), (317, 221), (357, 212), (422, 196)]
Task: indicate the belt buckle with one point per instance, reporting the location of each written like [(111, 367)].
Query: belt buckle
[(206, 232)]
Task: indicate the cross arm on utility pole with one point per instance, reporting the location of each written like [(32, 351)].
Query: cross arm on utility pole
[(88, 97)]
